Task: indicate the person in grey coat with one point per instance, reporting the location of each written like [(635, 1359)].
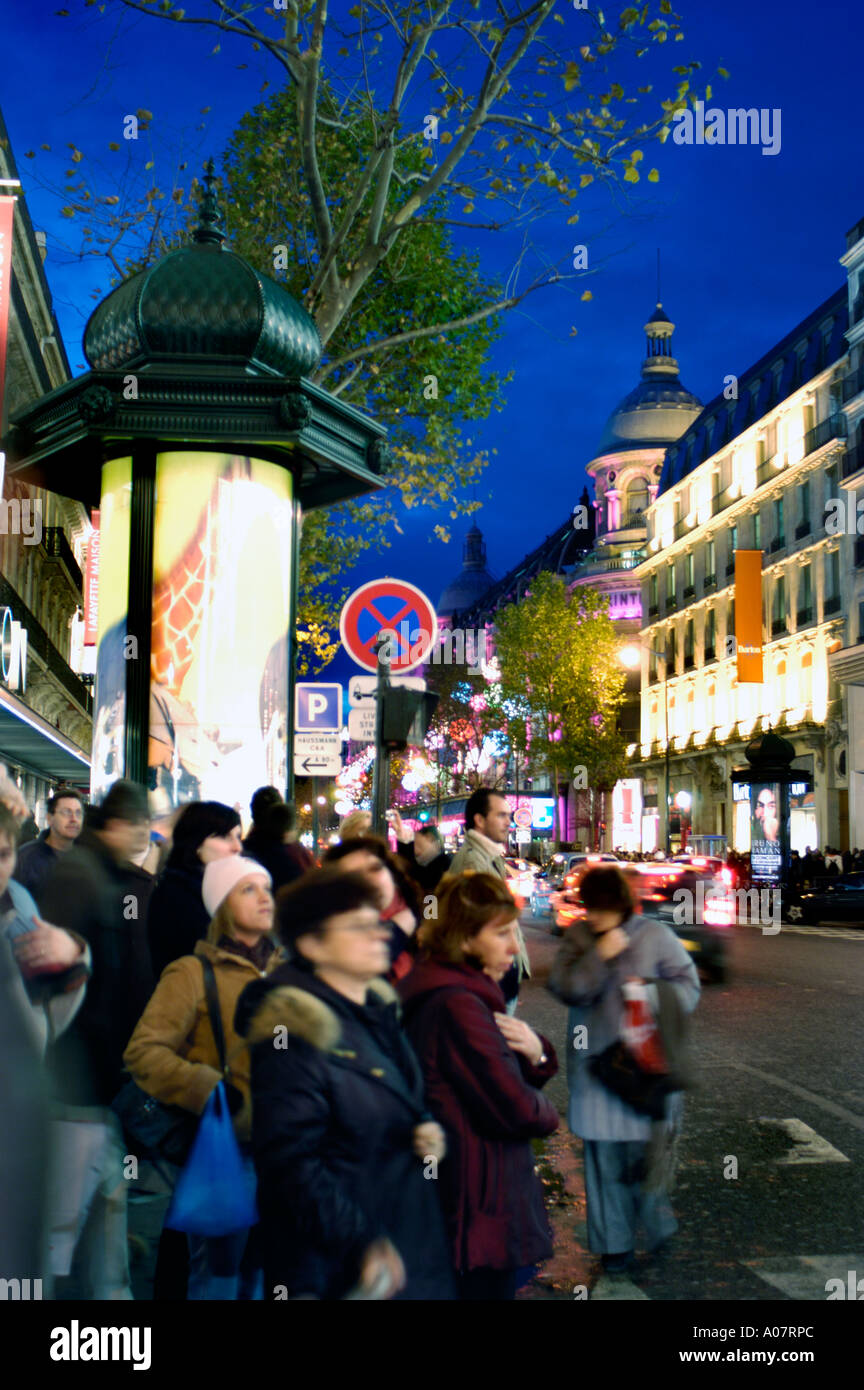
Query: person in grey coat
[(597, 956), (487, 827)]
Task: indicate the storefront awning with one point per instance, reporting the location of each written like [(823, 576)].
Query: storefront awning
[(28, 741)]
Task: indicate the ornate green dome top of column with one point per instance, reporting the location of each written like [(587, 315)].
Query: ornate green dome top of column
[(203, 302)]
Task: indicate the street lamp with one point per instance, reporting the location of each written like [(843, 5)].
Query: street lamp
[(631, 657)]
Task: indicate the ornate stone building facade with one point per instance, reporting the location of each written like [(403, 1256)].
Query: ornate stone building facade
[(45, 707)]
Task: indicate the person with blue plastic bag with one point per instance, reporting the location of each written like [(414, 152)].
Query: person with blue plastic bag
[(185, 1052)]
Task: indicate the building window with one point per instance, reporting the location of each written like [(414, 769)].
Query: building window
[(688, 644), (805, 596), (730, 629), (807, 678), (781, 687), (832, 583), (652, 593), (670, 582), (733, 546), (779, 521), (803, 527), (671, 653), (710, 560), (710, 634), (757, 531), (778, 606), (861, 622)]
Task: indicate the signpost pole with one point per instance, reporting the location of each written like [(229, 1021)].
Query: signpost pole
[(315, 829), (381, 772)]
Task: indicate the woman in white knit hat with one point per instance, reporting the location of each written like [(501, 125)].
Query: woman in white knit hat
[(174, 1053)]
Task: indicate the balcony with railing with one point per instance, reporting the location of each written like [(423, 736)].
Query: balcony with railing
[(599, 564), (57, 548), (39, 642)]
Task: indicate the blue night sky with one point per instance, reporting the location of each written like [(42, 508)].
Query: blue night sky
[(750, 243)]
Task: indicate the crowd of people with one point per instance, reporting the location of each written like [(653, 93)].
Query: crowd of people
[(361, 1016)]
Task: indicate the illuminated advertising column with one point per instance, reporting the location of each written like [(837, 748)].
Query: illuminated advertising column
[(222, 546)]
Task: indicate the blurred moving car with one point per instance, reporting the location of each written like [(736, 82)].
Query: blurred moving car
[(701, 923), (571, 861), (520, 878), (834, 900), (540, 900)]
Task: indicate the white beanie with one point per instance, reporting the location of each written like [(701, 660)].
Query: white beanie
[(221, 875)]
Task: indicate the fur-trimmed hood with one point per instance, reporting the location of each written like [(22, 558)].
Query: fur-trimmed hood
[(301, 1004)]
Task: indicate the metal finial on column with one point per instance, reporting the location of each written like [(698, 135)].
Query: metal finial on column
[(209, 229)]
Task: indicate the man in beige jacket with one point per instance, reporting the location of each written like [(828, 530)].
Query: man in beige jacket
[(487, 826)]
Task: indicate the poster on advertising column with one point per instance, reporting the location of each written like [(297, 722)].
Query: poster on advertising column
[(109, 704), (766, 852), (221, 612)]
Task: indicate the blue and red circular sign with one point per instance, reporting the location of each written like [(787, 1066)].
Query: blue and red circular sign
[(399, 610)]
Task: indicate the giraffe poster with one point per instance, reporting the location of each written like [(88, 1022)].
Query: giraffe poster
[(221, 612), (220, 621)]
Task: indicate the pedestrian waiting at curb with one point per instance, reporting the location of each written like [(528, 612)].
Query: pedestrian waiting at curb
[(629, 1151), (176, 917), (395, 892), (173, 1054), (483, 1071), (487, 826), (342, 1136)]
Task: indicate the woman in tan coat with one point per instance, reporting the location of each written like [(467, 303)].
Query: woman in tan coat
[(173, 1054)]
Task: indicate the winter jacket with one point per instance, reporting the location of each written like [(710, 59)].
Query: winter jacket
[(487, 1098), (172, 1054), (34, 865), (592, 986), (426, 876), (281, 861), (91, 894), (336, 1095), (52, 999), (176, 917)]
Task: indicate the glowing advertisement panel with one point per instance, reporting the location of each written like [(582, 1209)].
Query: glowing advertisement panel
[(221, 612), (109, 706), (766, 853)]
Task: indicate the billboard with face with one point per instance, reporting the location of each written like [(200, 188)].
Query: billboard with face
[(766, 853), (223, 549)]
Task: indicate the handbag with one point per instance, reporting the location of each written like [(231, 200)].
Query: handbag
[(157, 1131), (645, 1092), (215, 1193)]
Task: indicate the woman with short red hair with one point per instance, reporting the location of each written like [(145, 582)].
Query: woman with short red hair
[(483, 1072)]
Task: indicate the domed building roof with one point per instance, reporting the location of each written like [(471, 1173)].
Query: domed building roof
[(657, 411), (203, 302), (473, 579)]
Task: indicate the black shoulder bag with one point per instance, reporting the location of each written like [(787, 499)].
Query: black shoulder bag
[(160, 1132)]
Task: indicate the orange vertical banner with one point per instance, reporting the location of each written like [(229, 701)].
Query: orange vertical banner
[(748, 615), (7, 210)]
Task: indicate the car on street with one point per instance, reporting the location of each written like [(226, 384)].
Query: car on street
[(540, 900), (702, 923), (520, 878), (838, 899), (571, 861)]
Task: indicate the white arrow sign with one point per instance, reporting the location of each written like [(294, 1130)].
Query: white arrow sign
[(362, 690), (317, 755)]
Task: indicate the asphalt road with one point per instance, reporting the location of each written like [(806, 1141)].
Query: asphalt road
[(780, 1102)]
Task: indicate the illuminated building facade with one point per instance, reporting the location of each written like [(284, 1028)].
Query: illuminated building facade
[(45, 707), (754, 471), (846, 664)]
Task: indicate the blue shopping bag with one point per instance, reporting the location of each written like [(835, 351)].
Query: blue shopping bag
[(215, 1192)]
